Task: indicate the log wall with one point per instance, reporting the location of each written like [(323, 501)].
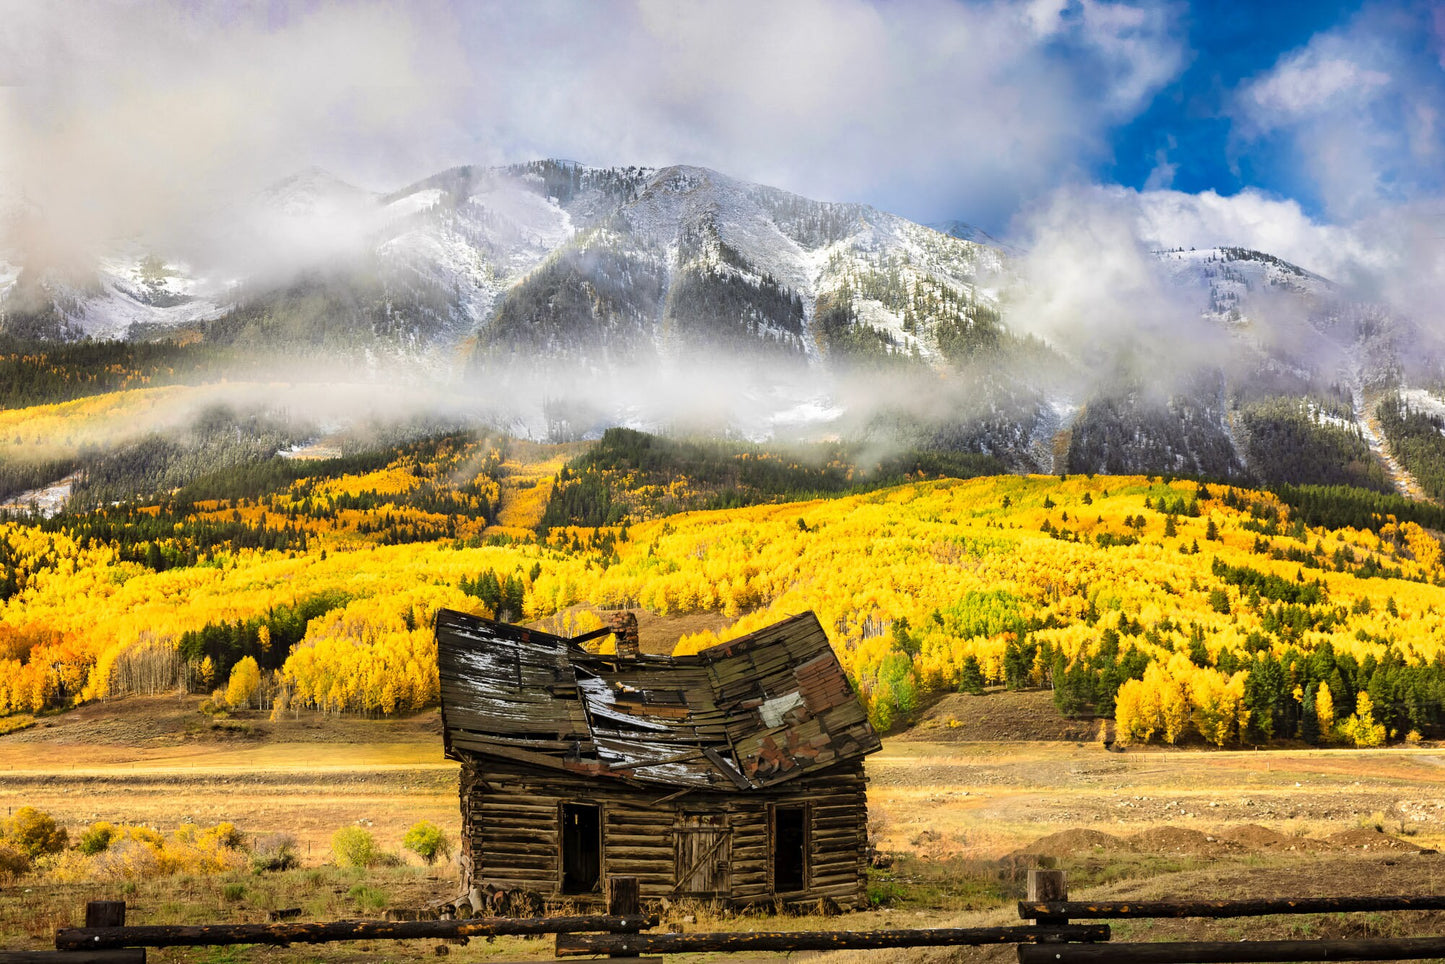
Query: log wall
[(511, 833)]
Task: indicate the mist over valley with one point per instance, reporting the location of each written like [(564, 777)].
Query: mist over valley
[(551, 300)]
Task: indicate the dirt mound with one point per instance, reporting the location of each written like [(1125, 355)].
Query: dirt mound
[(1073, 842), (999, 715), (1363, 838), (1252, 836), (1180, 840)]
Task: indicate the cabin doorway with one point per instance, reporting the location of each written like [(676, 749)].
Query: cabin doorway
[(581, 848), (790, 849), (704, 848)]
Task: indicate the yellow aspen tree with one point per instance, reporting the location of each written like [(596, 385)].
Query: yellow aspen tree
[(1235, 692), (1174, 708), (1213, 706), (1127, 724), (1325, 710), (1151, 703), (1143, 714), (245, 683), (206, 675), (1361, 729)]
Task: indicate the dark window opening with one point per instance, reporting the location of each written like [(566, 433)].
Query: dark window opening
[(581, 848), (790, 849)]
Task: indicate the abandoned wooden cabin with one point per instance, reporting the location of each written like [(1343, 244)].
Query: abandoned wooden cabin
[(733, 775)]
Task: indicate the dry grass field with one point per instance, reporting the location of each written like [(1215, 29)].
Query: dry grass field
[(965, 803)]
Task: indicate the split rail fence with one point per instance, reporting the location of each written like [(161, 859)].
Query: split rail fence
[(1056, 935)]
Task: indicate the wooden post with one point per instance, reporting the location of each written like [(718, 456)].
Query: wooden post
[(1048, 885), (105, 913), (624, 899)]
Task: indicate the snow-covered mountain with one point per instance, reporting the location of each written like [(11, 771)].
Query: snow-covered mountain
[(451, 250), (553, 264)]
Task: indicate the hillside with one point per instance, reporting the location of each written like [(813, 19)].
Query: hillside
[(1231, 610)]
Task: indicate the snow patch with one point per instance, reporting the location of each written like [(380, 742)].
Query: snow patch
[(8, 275), (1419, 400), (45, 501), (415, 203)]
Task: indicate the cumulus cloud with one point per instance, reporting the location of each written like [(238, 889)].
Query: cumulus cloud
[(1092, 286), (1249, 219), (1354, 112), (1132, 61), (139, 118), (1307, 83), (924, 107)]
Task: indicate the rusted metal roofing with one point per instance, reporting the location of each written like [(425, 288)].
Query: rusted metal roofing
[(749, 713)]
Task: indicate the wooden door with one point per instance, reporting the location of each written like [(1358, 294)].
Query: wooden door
[(704, 850)]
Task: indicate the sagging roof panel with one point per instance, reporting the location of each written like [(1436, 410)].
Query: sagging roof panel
[(749, 713)]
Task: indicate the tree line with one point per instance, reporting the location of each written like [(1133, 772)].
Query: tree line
[(630, 474)]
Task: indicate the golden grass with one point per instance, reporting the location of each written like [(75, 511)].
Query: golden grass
[(953, 813)]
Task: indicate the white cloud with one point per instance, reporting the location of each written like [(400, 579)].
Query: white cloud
[(1250, 219), (1127, 40), (1307, 83), (1350, 117), (1092, 278), (922, 107), (133, 117), (1093, 287)]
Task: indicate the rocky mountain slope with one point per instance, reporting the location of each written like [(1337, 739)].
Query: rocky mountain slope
[(904, 331)]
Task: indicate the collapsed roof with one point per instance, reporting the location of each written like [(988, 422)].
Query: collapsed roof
[(746, 714)]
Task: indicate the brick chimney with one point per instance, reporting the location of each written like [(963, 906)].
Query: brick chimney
[(624, 627)]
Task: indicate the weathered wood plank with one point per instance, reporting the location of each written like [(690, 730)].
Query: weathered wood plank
[(105, 913), (167, 935), (584, 944), (128, 955)]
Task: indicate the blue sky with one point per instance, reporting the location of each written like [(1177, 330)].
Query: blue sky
[(1187, 120)]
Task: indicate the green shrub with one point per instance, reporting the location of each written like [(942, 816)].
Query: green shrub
[(233, 892), (355, 847), (34, 832), (97, 838), (428, 842)]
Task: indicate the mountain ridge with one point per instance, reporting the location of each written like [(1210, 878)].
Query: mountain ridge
[(554, 265)]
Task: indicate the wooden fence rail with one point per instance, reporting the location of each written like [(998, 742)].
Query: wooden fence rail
[(1053, 908), (166, 935), (1235, 952), (1055, 937), (1102, 909), (131, 955), (593, 944)]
